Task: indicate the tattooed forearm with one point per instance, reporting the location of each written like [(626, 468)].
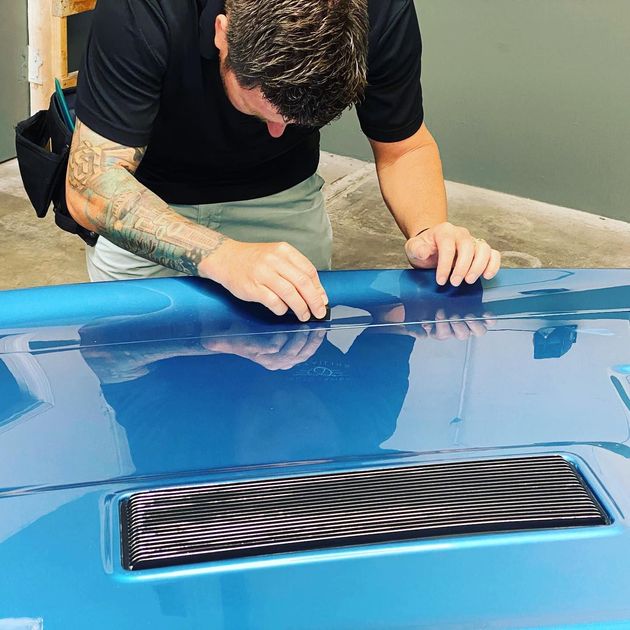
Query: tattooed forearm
[(116, 205), (137, 220)]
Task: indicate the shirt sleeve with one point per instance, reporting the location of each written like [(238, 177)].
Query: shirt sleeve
[(120, 79), (392, 109)]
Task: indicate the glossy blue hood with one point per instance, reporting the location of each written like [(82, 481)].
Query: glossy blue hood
[(117, 387)]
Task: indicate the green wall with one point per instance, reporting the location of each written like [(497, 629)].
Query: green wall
[(529, 97), (14, 91)]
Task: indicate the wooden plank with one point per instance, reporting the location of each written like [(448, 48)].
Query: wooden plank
[(59, 51), (40, 39), (64, 8), (70, 80), (48, 46)]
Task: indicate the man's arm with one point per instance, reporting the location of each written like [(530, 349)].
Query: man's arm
[(104, 196), (412, 184)]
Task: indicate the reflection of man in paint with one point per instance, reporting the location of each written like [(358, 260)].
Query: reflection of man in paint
[(238, 398), (241, 400)]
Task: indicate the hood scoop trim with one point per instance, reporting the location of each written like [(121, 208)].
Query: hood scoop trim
[(186, 525)]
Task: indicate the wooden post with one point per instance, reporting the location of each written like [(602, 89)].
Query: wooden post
[(48, 46)]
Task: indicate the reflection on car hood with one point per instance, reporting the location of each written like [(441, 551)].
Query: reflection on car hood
[(174, 376)]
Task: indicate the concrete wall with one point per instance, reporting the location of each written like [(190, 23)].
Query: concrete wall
[(530, 97)]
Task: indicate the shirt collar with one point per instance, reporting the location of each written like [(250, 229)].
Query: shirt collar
[(209, 10)]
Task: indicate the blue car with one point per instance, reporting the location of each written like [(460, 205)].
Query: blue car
[(427, 457)]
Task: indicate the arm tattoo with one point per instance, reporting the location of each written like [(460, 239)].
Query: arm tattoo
[(126, 212)]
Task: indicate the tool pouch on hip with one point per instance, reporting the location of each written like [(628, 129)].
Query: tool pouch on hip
[(42, 144)]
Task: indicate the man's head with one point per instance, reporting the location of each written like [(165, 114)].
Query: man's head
[(293, 61)]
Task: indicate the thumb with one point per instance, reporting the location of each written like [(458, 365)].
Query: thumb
[(421, 248)]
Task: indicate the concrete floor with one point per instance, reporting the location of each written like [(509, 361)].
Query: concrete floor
[(34, 252)]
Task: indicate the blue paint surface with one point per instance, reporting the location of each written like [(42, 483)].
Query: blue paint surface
[(124, 386)]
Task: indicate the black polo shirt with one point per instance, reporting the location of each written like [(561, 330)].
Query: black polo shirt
[(150, 77)]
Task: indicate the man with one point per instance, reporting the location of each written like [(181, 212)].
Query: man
[(197, 142)]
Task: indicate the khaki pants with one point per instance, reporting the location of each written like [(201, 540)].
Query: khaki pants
[(297, 216)]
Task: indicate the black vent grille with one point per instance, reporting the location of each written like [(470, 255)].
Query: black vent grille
[(201, 523)]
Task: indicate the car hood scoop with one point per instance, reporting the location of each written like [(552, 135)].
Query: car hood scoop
[(184, 525)]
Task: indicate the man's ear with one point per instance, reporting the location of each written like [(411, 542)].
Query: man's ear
[(220, 34)]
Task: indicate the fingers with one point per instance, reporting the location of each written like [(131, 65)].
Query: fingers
[(455, 327), (446, 256), (456, 254), (493, 265), (303, 283), (307, 267), (315, 339), (461, 330), (489, 319), (473, 258), (273, 358), (294, 279), (289, 295), (443, 329), (270, 299), (295, 344), (477, 327), (274, 274), (465, 256), (300, 347), (483, 253)]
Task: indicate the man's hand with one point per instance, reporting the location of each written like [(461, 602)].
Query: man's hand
[(412, 183), (455, 254), (280, 351), (274, 274)]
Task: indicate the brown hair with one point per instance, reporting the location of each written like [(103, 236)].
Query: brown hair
[(308, 57)]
